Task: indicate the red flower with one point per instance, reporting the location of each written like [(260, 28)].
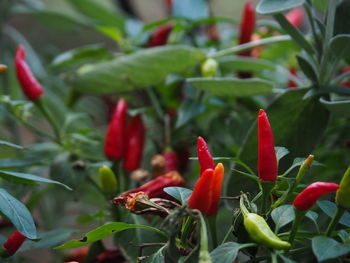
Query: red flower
[(30, 85), (206, 193), (267, 161), (116, 133)]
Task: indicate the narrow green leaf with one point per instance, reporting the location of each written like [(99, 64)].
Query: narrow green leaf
[(230, 86), (179, 193), (326, 248), (104, 231), (269, 7), (10, 144), (307, 68), (28, 178), (239, 63), (188, 110), (18, 214)]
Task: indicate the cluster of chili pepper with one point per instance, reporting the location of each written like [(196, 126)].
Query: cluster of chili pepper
[(125, 141)]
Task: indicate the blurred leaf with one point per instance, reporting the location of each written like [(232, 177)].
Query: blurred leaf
[(179, 193), (99, 14), (80, 55), (339, 108), (18, 214), (104, 231), (281, 152), (239, 63), (289, 116), (227, 252), (188, 110), (10, 144), (12, 163), (138, 70), (233, 86), (58, 21), (157, 257), (269, 7), (282, 215), (342, 18), (326, 248), (194, 9), (28, 178), (285, 259), (329, 209), (307, 68), (113, 33), (339, 46)]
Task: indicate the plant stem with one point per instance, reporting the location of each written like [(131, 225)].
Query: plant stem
[(186, 229), (266, 188), (298, 216), (213, 232), (338, 214)]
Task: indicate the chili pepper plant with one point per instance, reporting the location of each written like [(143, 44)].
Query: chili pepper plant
[(194, 138)]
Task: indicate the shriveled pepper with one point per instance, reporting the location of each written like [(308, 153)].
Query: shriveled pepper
[(247, 26), (204, 157), (116, 133), (13, 243), (30, 85), (260, 231), (134, 144), (206, 193), (160, 36), (308, 197), (267, 161), (342, 197)]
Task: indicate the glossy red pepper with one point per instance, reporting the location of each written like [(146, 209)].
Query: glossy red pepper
[(30, 85), (154, 188), (204, 157), (308, 197), (160, 36), (247, 26), (170, 161), (134, 144), (295, 16), (267, 161), (116, 133), (206, 193), (14, 242)]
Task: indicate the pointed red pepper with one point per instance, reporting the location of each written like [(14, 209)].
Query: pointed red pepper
[(134, 144), (116, 133), (308, 197), (247, 26), (14, 242), (204, 157), (30, 85), (206, 193), (267, 161), (160, 36), (295, 16)]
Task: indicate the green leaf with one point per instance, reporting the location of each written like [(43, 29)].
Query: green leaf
[(307, 68), (340, 107), (285, 259), (188, 110), (288, 114), (28, 178), (10, 144), (269, 7), (104, 231), (179, 193), (227, 253), (157, 257), (80, 55), (339, 46), (342, 18), (138, 70), (326, 248), (58, 21), (239, 63), (329, 209), (18, 214), (12, 163), (281, 152), (282, 215), (230, 86)]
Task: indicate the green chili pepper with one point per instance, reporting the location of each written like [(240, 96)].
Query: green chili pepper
[(260, 231), (342, 197)]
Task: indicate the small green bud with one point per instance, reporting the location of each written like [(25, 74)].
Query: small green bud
[(209, 68), (108, 179)]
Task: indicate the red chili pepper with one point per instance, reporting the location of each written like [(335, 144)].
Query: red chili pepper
[(30, 85), (291, 83), (116, 133), (170, 161), (346, 83), (247, 26), (295, 16), (14, 242), (206, 193), (134, 144), (154, 188), (204, 157), (267, 161), (308, 197), (160, 36)]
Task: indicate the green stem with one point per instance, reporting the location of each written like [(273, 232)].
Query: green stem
[(298, 216), (213, 232), (204, 255), (41, 105), (72, 98), (338, 214), (227, 234), (120, 177), (243, 47), (266, 188), (186, 230)]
